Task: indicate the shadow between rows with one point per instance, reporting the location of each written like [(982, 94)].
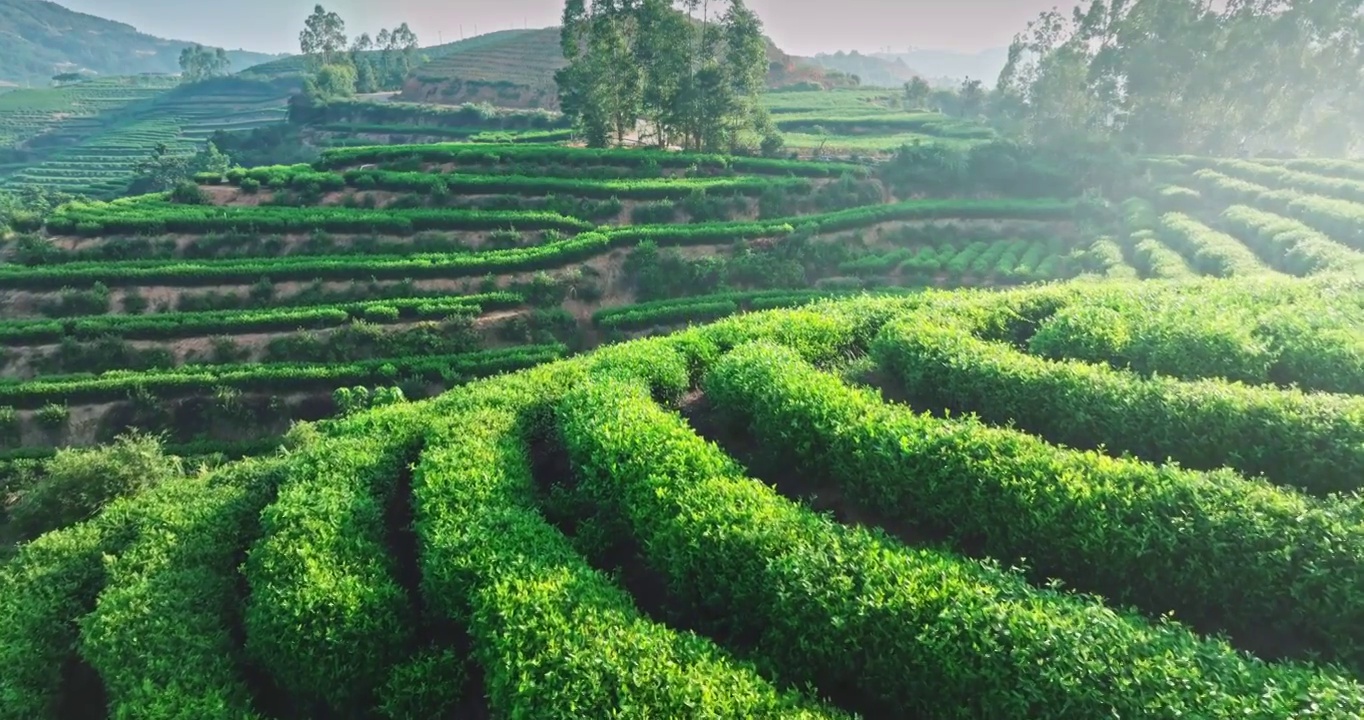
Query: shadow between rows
[(620, 556)]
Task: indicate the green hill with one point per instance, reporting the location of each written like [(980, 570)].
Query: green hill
[(42, 39), (520, 430), (515, 68), (87, 138)]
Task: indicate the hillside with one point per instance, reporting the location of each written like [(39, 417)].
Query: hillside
[(609, 433), (870, 69), (947, 68), (515, 68), (88, 137), (43, 39), (635, 528)]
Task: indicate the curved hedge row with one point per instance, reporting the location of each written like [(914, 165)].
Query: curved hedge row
[(211, 322), (1155, 259), (464, 183), (533, 607), (156, 218), (326, 615), (463, 154), (1314, 442), (1342, 220), (1220, 333), (1209, 251), (52, 582), (1299, 249), (893, 630), (1285, 178), (161, 633), (1276, 570), (286, 377)]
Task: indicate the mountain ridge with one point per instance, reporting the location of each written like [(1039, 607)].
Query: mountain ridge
[(44, 38)]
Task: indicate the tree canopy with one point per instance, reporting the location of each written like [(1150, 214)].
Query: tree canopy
[(200, 63), (1170, 76), (342, 67), (659, 71)]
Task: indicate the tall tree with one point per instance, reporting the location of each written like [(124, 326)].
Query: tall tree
[(361, 51), (323, 38), (1190, 75), (200, 63), (917, 92), (690, 80)]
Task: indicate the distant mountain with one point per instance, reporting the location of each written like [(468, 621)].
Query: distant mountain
[(39, 39), (870, 69), (943, 67)]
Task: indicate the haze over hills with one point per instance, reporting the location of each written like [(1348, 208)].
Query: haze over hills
[(43, 39)]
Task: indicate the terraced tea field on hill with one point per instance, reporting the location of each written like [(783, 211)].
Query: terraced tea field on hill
[(865, 122), (95, 154), (533, 482), (775, 515), (422, 266)]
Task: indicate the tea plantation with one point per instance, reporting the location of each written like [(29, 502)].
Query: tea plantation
[(544, 473)]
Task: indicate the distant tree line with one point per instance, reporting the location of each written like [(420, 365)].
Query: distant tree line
[(340, 67), (656, 72)]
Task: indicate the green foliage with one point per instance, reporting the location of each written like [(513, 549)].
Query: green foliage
[(52, 417), (851, 610), (161, 634), (1219, 551), (534, 608), (1312, 441), (1118, 73), (78, 483), (326, 616)]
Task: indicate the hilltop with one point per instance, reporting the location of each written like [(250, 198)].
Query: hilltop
[(43, 39), (515, 68)]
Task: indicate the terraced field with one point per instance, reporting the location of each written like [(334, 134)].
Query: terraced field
[(510, 68), (778, 515), (96, 155), (26, 114), (422, 266), (866, 122), (805, 508)]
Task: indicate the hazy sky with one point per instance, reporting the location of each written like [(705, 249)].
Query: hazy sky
[(802, 27)]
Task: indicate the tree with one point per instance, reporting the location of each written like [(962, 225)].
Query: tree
[(324, 37), (971, 98), (1171, 76), (163, 170), (691, 81), (366, 77), (398, 55), (917, 92), (332, 82), (200, 63)]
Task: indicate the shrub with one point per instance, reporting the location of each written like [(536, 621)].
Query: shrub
[(78, 483), (188, 193), (53, 417)]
